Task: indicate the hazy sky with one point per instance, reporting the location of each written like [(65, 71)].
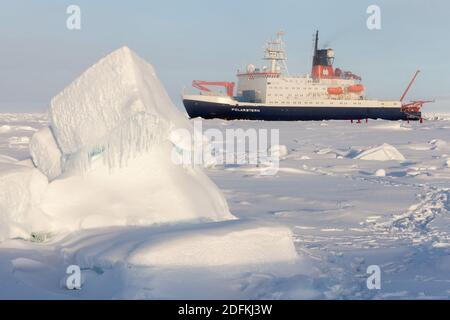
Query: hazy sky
[(211, 39)]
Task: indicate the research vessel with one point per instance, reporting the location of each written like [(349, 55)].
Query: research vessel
[(271, 93)]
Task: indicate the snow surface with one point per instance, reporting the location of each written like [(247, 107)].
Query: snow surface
[(341, 215), (139, 226)]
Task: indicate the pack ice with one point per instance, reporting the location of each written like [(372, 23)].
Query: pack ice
[(107, 155)]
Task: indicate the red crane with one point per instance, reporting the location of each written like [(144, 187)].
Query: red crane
[(413, 106), (202, 85)]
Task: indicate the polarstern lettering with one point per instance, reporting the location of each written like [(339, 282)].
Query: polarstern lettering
[(245, 110)]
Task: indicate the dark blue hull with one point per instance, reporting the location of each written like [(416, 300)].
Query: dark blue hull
[(210, 110)]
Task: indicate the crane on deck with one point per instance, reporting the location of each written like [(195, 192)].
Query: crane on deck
[(413, 106), (203, 86)]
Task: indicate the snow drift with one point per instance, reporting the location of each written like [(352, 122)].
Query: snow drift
[(220, 246), (226, 243), (385, 152)]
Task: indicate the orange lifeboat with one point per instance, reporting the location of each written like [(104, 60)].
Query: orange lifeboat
[(335, 90), (357, 88)]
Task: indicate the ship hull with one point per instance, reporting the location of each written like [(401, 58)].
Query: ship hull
[(211, 110)]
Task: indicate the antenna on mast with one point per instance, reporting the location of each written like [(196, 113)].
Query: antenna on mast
[(316, 42), (276, 54)]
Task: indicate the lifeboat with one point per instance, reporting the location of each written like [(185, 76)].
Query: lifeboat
[(335, 90), (357, 88)]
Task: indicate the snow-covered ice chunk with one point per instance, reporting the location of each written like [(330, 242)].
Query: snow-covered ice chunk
[(385, 152), (45, 153), (116, 123), (438, 144), (18, 140), (224, 246), (150, 189), (21, 190), (118, 106), (229, 243), (324, 151), (393, 126), (436, 116), (278, 151), (380, 173), (5, 128)]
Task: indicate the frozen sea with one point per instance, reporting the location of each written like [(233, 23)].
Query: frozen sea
[(345, 213)]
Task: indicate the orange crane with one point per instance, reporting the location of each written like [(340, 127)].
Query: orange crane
[(202, 85)]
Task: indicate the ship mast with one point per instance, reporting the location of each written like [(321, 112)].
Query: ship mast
[(316, 48), (275, 53)]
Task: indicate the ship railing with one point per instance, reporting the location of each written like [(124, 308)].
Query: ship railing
[(213, 94)]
